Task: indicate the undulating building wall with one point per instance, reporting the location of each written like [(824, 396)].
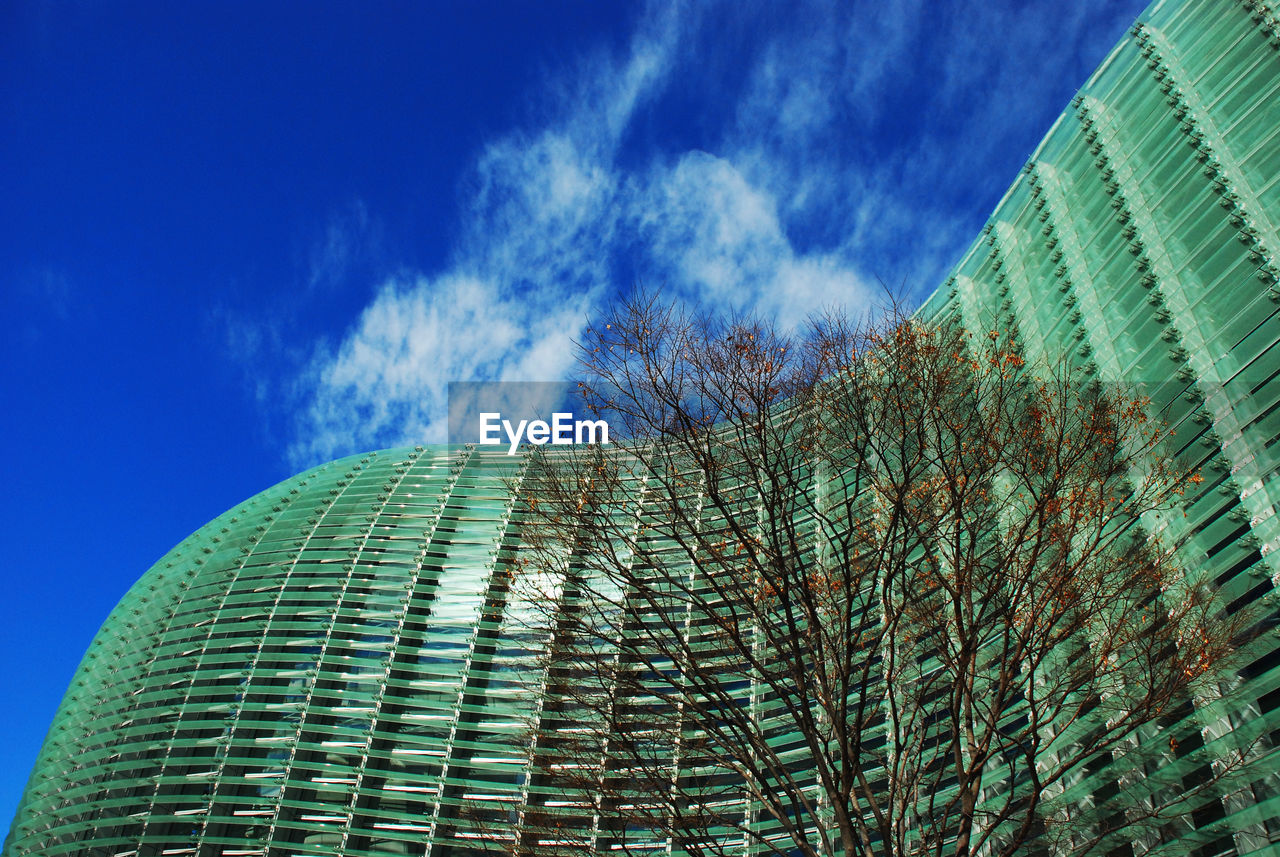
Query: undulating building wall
[(1140, 243)]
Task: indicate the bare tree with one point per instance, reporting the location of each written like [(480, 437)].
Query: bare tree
[(873, 589)]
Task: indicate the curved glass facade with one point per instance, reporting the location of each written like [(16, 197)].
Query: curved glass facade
[(339, 666), (323, 669)]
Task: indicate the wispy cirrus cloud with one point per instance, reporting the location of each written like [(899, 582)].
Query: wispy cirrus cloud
[(386, 381), (352, 239), (766, 159)]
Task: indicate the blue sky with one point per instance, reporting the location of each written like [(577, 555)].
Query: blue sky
[(244, 238)]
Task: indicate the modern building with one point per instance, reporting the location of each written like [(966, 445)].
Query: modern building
[(332, 667)]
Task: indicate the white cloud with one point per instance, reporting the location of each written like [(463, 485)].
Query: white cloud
[(791, 199), (351, 239), (389, 379), (720, 241)]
